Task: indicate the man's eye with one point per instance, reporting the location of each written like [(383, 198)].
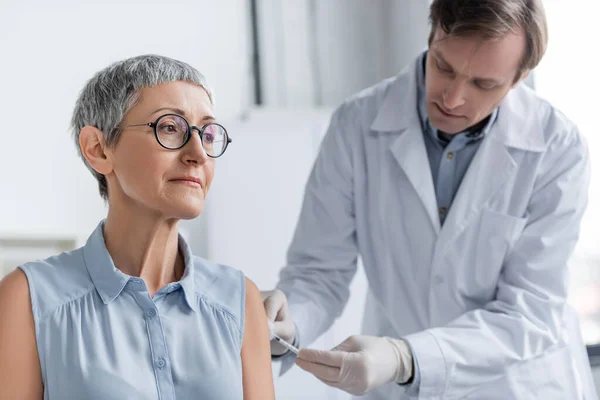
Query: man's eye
[(485, 85), (442, 68)]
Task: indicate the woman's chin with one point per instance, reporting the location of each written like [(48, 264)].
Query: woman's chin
[(189, 213), (185, 210)]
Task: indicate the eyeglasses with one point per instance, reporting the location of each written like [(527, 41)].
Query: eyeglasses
[(172, 132)]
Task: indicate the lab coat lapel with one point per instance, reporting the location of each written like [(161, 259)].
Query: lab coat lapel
[(398, 116), (489, 170), (493, 163), (410, 153)]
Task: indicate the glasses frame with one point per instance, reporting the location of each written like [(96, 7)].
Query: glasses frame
[(188, 133)]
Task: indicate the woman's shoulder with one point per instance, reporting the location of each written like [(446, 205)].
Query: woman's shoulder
[(56, 280), (220, 285), (210, 270), (13, 289)]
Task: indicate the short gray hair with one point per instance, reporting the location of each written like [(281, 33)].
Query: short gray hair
[(111, 93)]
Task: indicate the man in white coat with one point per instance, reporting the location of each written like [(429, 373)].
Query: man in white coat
[(462, 191)]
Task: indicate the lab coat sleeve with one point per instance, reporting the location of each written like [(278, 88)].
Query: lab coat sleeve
[(412, 388), (525, 318), (322, 258)]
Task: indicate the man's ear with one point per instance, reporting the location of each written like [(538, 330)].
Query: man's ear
[(93, 148), (524, 75)]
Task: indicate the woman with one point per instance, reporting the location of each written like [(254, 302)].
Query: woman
[(133, 314)]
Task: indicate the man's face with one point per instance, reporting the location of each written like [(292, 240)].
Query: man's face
[(467, 77)]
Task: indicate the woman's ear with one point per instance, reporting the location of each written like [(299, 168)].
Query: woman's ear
[(93, 148)]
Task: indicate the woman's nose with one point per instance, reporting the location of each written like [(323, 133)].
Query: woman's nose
[(193, 152)]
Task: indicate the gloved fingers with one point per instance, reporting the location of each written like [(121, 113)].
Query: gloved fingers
[(330, 383), (325, 357), (277, 348), (323, 372), (285, 330), (266, 293), (351, 344), (275, 304), (352, 389)]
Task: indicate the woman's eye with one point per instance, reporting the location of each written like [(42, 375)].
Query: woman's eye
[(168, 128), (207, 137)]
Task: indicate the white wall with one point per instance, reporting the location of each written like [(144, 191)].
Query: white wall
[(359, 43), (568, 77), (50, 48), (287, 74), (320, 52), (252, 210)]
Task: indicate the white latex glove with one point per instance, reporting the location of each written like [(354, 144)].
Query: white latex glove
[(276, 307), (360, 363)]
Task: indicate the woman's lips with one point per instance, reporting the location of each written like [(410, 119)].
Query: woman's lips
[(189, 181)]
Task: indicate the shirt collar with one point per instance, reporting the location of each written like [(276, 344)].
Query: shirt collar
[(519, 118), (188, 281), (109, 281), (422, 108)]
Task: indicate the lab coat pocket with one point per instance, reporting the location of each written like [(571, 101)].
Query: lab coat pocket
[(495, 390), (496, 237), (548, 377)]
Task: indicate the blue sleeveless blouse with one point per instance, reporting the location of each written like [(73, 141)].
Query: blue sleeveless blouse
[(101, 336)]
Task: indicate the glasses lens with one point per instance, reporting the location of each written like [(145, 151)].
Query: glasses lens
[(214, 140), (171, 131)]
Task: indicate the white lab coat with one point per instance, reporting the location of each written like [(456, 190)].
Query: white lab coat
[(481, 300)]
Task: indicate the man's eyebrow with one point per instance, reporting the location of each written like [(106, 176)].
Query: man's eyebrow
[(495, 81), (439, 56)]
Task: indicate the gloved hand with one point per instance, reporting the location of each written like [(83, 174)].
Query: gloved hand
[(276, 307), (360, 363)]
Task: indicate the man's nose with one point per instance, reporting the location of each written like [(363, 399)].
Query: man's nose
[(454, 96)]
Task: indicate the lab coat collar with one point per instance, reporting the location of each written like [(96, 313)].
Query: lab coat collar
[(398, 110), (518, 124)]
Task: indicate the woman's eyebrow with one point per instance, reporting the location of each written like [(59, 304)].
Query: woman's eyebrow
[(172, 109), (208, 118), (183, 113)]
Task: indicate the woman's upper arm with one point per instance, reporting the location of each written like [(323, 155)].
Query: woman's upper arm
[(256, 350), (20, 372)]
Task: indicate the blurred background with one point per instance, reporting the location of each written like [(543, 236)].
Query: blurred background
[(278, 68)]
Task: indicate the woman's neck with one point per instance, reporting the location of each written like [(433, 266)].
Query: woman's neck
[(144, 245)]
